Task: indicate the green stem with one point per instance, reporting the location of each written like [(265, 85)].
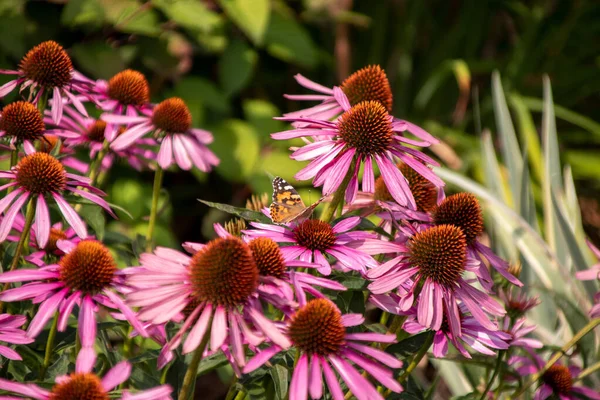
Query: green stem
[(417, 358), (578, 336), (588, 371), (14, 157), (494, 375), (240, 396), (163, 376), (338, 196), (158, 178), (189, 380), (96, 167), (232, 392), (43, 102), (49, 346), (30, 214)]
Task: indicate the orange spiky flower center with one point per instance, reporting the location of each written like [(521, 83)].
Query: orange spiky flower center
[(366, 127), (314, 234), (224, 272), (317, 328), (79, 386), (440, 252), (423, 191), (55, 235), (40, 173), (558, 377), (172, 115), (48, 65), (22, 120), (89, 267), (129, 87), (462, 210), (95, 133), (268, 257), (368, 84)]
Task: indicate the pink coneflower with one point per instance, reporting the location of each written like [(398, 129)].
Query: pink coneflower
[(47, 69), (171, 122), (86, 275), (472, 333), (314, 240), (126, 93), (463, 210), (21, 122), (37, 176), (11, 334), (81, 131), (558, 380), (364, 133), (218, 284), (593, 273), (84, 384), (516, 301), (431, 270), (518, 332), (318, 331), (57, 235)]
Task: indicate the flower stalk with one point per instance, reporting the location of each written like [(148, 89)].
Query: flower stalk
[(189, 380), (501, 354), (158, 178), (49, 346)]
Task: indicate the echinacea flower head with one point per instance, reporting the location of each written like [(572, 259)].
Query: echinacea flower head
[(86, 275), (21, 122), (39, 176), (88, 132), (475, 335), (126, 93), (171, 122), (47, 70), (218, 286), (431, 269), (593, 273), (518, 331), (364, 133), (10, 333), (516, 301), (367, 84), (314, 240), (557, 381), (318, 331), (84, 384), (464, 211)]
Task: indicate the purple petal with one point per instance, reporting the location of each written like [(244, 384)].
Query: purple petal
[(42, 222), (85, 360), (165, 154), (198, 331), (218, 334), (57, 105), (45, 312), (8, 87), (10, 216), (307, 83), (338, 172), (315, 384), (128, 137), (341, 98), (332, 381), (259, 359), (87, 322), (395, 182)]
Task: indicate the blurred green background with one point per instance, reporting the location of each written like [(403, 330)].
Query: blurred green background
[(232, 61)]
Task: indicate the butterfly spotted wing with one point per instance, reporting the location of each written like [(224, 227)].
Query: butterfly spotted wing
[(287, 205)]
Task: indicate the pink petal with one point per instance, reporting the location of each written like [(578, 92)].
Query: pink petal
[(165, 154), (42, 222), (218, 333), (198, 331), (299, 385), (307, 83), (57, 105), (315, 384), (87, 322), (71, 216), (116, 375), (45, 312), (85, 360)]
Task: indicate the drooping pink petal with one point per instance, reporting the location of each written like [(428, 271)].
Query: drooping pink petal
[(85, 360), (299, 385), (57, 105), (332, 381), (198, 331), (261, 358), (45, 312), (116, 375), (42, 222), (315, 384), (87, 322), (307, 83), (218, 334), (71, 216)]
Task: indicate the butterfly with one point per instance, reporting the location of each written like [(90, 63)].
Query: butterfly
[(287, 205)]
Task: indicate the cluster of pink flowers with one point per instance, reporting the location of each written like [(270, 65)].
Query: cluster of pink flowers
[(252, 294)]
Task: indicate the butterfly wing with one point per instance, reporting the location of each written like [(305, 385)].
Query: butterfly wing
[(287, 204)]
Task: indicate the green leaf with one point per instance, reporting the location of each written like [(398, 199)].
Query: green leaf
[(98, 59), (131, 16), (94, 217), (237, 146), (260, 114), (59, 368), (236, 67), (408, 346), (506, 131), (289, 41), (191, 14), (82, 13), (251, 16), (201, 91), (577, 320), (244, 213), (280, 375)]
